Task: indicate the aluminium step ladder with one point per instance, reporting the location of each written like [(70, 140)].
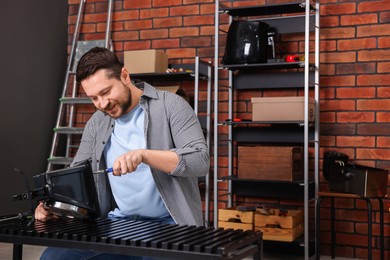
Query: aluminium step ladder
[(67, 132)]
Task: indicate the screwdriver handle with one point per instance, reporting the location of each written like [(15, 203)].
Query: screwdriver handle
[(108, 170)]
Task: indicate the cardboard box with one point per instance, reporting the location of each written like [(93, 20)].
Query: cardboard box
[(146, 61), (233, 218), (280, 109), (276, 163), (280, 228)]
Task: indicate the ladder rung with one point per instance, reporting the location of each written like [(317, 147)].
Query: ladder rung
[(69, 103), (69, 130), (60, 160), (77, 100)]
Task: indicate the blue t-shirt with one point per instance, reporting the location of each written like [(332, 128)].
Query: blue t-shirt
[(135, 193)]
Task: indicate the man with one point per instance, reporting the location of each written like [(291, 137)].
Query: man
[(153, 141)]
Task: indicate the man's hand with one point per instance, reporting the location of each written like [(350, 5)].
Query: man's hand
[(43, 214), (127, 162), (165, 161)]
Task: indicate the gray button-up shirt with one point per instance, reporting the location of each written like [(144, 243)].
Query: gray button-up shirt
[(170, 124)]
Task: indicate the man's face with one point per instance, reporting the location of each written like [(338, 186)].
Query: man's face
[(109, 95)]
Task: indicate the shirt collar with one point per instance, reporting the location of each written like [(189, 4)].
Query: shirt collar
[(148, 90)]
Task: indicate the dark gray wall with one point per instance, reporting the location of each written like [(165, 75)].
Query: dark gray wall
[(33, 42)]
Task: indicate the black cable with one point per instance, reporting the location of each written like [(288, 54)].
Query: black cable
[(29, 196), (17, 216)]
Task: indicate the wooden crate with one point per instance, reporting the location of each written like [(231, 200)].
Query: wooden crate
[(233, 218), (280, 228), (277, 163), (281, 234)]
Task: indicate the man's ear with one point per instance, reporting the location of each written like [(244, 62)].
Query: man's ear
[(125, 77)]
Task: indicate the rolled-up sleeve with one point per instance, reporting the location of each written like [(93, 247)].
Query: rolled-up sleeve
[(181, 133)]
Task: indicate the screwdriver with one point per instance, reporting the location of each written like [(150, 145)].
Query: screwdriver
[(108, 170)]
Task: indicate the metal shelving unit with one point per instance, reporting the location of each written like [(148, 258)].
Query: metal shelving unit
[(303, 17)]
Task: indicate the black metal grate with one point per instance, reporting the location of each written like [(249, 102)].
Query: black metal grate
[(135, 238)]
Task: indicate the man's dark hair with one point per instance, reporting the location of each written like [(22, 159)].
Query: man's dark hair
[(98, 58)]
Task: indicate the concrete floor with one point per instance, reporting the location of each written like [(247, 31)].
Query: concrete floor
[(29, 252), (33, 253)]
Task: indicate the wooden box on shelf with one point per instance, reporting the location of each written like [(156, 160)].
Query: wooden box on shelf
[(233, 218), (277, 163), (280, 227)]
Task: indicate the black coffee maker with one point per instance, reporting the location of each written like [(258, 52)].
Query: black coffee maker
[(247, 42), (336, 168)]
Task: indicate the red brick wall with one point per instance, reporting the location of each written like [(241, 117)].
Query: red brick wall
[(354, 92), (355, 81)]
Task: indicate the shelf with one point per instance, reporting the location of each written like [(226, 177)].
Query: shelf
[(244, 79), (187, 75), (266, 66), (291, 248), (287, 8), (266, 123), (162, 77), (289, 24), (271, 189), (271, 134)]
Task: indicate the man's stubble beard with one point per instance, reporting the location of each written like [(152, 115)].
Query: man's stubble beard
[(126, 105), (123, 106)]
